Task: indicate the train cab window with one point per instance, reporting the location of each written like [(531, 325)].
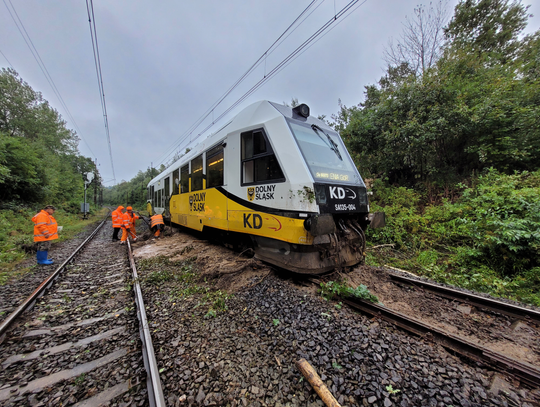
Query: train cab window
[(167, 191), (259, 163), (176, 181), (197, 173), (184, 179), (214, 167)]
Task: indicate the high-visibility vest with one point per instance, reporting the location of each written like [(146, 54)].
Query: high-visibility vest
[(133, 216), (156, 220), (117, 217), (45, 227), (126, 220)]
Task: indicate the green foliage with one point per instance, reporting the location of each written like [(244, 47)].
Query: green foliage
[(475, 109), (158, 277), (210, 314), (331, 289), (17, 234), (391, 390), (336, 365), (487, 26), (39, 161), (132, 193), (488, 240)]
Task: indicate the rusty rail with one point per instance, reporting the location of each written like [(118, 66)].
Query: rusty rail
[(528, 374), (511, 310)]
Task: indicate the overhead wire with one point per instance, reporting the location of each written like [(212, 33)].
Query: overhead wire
[(173, 148), (6, 59), (344, 12), (42, 66), (97, 62)]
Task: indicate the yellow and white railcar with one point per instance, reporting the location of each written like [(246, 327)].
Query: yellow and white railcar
[(278, 177)]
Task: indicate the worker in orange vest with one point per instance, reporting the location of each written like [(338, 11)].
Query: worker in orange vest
[(45, 230), (128, 226), (133, 218), (117, 221), (157, 224)]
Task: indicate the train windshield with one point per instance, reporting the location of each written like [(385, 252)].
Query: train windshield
[(325, 154)]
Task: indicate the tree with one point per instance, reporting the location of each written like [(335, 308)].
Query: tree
[(39, 161), (488, 27), (419, 46)]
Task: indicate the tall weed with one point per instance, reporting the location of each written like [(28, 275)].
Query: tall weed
[(488, 240)]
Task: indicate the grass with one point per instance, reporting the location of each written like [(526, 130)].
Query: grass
[(17, 232), (182, 277)]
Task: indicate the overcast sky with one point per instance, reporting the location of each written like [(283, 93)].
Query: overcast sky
[(165, 63)]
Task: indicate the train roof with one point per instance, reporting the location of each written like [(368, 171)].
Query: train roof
[(256, 113)]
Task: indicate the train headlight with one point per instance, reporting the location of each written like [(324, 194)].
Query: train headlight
[(302, 110)]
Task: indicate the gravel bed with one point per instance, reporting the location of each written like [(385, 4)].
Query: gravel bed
[(16, 291), (245, 355), (91, 298)]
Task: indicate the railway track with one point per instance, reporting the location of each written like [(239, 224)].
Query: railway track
[(75, 340), (524, 372), (513, 311), (232, 350)]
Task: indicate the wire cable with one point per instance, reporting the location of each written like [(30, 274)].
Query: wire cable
[(344, 12), (7, 60), (175, 146), (97, 61), (42, 66)]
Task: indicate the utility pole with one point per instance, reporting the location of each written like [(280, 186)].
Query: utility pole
[(95, 186)]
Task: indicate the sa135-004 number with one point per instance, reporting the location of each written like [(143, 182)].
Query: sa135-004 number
[(345, 207)]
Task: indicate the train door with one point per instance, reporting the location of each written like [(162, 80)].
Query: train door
[(215, 199)]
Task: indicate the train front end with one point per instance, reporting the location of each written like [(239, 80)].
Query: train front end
[(337, 229)]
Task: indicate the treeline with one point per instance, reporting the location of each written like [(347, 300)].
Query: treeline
[(450, 141), (39, 160), (130, 193), (475, 107)]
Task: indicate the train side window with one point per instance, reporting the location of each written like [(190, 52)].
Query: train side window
[(160, 205), (259, 163), (176, 181), (167, 191), (184, 179), (197, 173), (214, 167), (152, 196), (156, 204)]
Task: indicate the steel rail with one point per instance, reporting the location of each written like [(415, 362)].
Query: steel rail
[(153, 382), (38, 292), (525, 372), (511, 310)]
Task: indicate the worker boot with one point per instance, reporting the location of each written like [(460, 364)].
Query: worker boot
[(42, 257)]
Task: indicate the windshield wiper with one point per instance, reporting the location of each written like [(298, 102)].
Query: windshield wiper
[(331, 143)]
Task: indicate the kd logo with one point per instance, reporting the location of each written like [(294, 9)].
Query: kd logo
[(251, 193)]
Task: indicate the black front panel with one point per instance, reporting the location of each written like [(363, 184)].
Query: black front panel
[(333, 198)]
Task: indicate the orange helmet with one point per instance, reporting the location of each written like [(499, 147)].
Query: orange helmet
[(129, 208)]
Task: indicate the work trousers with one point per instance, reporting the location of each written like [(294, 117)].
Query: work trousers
[(157, 230), (115, 233), (43, 246), (127, 232)]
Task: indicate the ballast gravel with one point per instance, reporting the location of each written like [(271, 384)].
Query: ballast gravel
[(245, 356)]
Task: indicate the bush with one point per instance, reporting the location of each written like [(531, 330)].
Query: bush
[(488, 240)]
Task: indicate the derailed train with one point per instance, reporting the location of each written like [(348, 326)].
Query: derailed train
[(274, 179)]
